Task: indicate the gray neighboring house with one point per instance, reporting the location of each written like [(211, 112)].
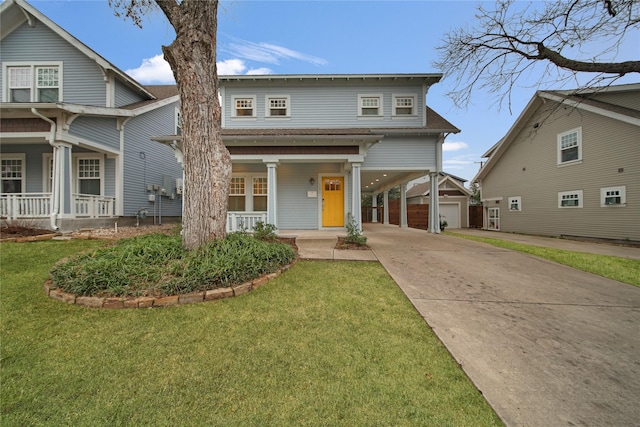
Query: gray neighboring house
[(569, 166), (453, 198), (75, 147), (305, 148)]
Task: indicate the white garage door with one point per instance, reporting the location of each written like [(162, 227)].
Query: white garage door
[(452, 214)]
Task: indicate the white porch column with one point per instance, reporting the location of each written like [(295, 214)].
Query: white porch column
[(356, 203), (272, 202), (403, 205), (61, 191), (374, 205), (385, 201), (434, 208)]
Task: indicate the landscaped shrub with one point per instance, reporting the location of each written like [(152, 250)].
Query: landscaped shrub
[(157, 265)]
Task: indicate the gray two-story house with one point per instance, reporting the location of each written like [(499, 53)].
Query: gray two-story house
[(75, 148), (305, 148)]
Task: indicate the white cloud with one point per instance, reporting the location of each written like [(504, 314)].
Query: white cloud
[(454, 146), (267, 53), (231, 67), (153, 71), (259, 71)]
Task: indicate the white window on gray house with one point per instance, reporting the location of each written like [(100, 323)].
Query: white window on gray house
[(404, 105), (34, 83), (260, 194), (244, 107), (89, 176), (278, 106), (178, 122), (613, 196), (570, 146), (12, 173), (370, 105), (515, 203), (570, 199), (237, 194)]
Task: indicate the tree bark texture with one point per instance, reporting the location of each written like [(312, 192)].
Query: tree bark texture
[(207, 163)]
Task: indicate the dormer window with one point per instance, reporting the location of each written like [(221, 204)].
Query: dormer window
[(277, 106), (403, 106), (34, 83), (244, 107), (370, 105)]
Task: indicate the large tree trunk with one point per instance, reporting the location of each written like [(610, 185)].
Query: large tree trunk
[(207, 163)]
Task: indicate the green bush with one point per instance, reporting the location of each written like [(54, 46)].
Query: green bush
[(354, 236), (265, 232), (157, 265)]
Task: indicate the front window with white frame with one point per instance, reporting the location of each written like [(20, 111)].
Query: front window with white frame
[(277, 106), (12, 167), (515, 204), (248, 193), (404, 105), (570, 199), (244, 106), (370, 105), (89, 174), (34, 82), (570, 146), (613, 196), (260, 193)]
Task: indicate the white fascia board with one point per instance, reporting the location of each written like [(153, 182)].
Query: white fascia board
[(90, 53), (591, 108), (88, 144), (297, 158), (95, 111), (156, 105), (11, 137)]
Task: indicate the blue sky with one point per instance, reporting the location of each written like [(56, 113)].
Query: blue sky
[(317, 37)]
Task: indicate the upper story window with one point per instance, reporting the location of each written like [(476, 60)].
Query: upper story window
[(34, 83), (404, 105), (515, 203), (12, 168), (277, 106), (570, 146), (178, 122), (613, 196), (370, 105), (570, 199), (244, 106)]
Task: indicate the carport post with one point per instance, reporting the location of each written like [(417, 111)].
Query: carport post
[(403, 206), (385, 202), (374, 205)]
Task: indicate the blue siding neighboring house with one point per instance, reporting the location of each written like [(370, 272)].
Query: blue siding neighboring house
[(75, 147)]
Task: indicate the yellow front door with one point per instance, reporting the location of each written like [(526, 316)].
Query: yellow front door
[(333, 201)]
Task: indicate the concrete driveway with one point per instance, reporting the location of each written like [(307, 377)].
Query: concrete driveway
[(547, 345)]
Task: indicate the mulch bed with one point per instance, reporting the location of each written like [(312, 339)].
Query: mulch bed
[(350, 246), (13, 231)]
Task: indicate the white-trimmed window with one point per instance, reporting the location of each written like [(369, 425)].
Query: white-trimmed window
[(89, 174), (178, 122), (613, 196), (570, 146), (404, 105), (237, 194), (277, 106), (493, 222), (12, 167), (515, 203), (260, 193), (41, 82), (370, 105), (570, 199), (244, 106)]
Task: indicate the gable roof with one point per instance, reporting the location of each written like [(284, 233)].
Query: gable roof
[(572, 98), (14, 13), (424, 188)]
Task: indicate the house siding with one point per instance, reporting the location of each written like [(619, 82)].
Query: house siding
[(148, 163), (629, 99), (408, 152), (125, 96), (528, 168), (321, 106), (83, 82), (100, 130)]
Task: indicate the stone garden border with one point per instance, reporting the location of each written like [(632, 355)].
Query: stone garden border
[(168, 301)]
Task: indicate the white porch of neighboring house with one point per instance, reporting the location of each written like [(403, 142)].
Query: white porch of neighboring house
[(49, 176), (298, 185)]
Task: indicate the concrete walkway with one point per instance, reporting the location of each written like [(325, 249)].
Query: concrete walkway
[(547, 345)]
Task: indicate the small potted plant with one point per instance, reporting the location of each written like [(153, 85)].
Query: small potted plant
[(443, 222)]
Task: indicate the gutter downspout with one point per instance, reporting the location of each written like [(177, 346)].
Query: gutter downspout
[(55, 187)]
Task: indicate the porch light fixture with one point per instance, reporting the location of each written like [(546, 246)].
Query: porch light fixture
[(312, 180)]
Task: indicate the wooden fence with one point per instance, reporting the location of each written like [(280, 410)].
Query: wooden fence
[(417, 215)]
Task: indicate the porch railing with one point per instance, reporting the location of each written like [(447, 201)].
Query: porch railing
[(38, 205), (90, 206), (25, 205), (244, 221)]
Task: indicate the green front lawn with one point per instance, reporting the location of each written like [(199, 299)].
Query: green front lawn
[(325, 343)]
